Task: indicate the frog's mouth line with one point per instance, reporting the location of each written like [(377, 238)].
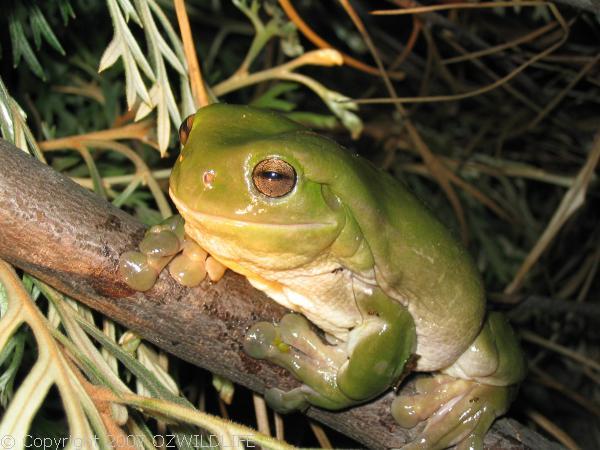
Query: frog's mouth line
[(201, 218)]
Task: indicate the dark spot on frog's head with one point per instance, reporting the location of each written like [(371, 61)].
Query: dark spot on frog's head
[(337, 270), (474, 400)]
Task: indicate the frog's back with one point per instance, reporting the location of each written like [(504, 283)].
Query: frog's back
[(421, 264)]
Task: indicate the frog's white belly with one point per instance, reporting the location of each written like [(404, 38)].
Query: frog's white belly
[(323, 292)]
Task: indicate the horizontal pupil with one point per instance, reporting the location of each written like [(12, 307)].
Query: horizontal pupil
[(274, 176)]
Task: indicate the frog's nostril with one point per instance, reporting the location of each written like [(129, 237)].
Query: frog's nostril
[(208, 178)]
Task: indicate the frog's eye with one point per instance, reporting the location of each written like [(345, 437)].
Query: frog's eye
[(274, 177), (185, 128)]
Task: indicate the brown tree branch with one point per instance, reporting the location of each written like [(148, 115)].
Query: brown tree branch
[(71, 239)]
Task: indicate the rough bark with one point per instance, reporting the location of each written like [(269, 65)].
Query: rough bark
[(71, 239)]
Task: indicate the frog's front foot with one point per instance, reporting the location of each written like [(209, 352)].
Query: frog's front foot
[(458, 412), (345, 373), (167, 243), (294, 345)]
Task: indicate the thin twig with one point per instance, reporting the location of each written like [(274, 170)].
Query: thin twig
[(139, 131), (558, 98), (534, 338), (453, 6), (195, 73), (279, 427), (549, 426), (571, 201), (321, 435), (262, 416), (312, 36), (115, 180), (436, 168), (501, 47), (544, 378), (484, 89)]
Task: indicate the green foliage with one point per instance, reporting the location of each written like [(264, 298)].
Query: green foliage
[(11, 357), (27, 21)]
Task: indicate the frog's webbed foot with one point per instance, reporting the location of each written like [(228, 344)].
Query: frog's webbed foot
[(167, 243), (346, 373), (458, 412), (293, 345), (461, 403)]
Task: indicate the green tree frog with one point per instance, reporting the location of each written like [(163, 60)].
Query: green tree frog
[(349, 249)]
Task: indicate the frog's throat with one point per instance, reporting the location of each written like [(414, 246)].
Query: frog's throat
[(229, 263), (252, 276), (269, 286), (201, 217)]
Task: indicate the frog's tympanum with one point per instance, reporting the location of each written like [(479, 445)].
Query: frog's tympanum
[(349, 249)]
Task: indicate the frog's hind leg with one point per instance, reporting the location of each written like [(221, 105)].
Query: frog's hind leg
[(457, 412), (461, 403)]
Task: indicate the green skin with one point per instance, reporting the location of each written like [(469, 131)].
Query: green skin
[(415, 301)]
